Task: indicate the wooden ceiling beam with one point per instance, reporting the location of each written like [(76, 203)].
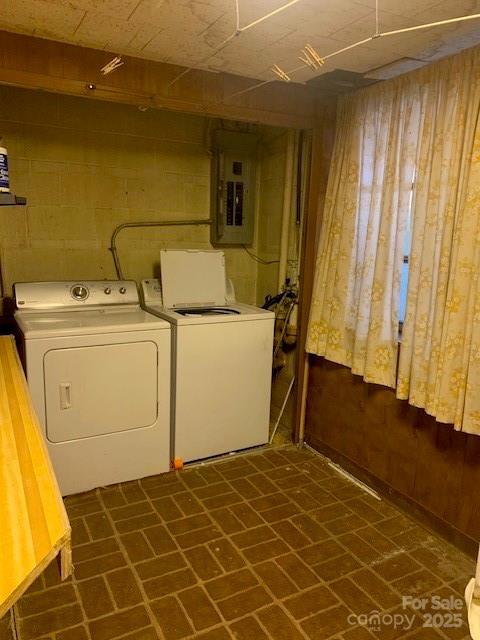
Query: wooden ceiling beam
[(47, 65)]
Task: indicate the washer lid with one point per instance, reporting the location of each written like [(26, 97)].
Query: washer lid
[(83, 322), (193, 278)]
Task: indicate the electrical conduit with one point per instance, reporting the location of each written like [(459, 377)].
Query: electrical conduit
[(287, 207)]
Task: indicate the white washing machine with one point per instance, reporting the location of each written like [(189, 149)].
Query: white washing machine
[(98, 369), (221, 356)]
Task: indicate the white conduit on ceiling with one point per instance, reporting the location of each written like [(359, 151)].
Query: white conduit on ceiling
[(268, 15)]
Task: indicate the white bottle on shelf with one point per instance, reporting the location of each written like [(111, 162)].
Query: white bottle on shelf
[(4, 181)]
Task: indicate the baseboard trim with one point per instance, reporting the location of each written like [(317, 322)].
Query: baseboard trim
[(406, 504)]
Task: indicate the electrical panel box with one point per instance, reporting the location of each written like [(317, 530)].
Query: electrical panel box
[(233, 187)]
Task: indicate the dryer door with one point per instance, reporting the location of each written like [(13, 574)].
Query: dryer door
[(91, 391)]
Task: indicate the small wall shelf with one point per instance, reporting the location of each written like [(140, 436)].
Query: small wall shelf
[(7, 199)]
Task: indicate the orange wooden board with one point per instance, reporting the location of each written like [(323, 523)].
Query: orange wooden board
[(34, 526)]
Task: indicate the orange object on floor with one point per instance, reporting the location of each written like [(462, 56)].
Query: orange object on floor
[(177, 464)]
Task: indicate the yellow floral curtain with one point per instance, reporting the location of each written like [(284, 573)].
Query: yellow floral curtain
[(354, 311), (422, 127), (439, 366)]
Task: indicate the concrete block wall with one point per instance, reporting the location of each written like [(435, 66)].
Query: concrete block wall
[(86, 166)]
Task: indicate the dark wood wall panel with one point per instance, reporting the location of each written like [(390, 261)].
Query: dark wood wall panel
[(433, 467), (36, 63)]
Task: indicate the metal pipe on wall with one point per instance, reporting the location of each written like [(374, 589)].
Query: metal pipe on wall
[(287, 207), (304, 159), (148, 223)]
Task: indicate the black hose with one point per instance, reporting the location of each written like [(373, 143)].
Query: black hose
[(270, 301)]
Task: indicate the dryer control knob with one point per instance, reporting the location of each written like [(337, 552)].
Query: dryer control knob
[(122, 290), (79, 292), (107, 290)]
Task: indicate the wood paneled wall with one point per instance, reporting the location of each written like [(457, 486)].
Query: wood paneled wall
[(429, 466), (35, 63)]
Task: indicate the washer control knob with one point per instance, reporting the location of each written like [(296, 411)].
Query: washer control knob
[(122, 290), (107, 290), (79, 292)]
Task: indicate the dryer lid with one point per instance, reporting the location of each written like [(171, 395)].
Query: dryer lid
[(193, 278)]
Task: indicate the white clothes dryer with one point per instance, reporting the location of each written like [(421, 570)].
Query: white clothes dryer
[(98, 369)]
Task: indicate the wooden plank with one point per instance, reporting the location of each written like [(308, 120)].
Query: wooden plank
[(36, 63), (34, 526), (322, 145)]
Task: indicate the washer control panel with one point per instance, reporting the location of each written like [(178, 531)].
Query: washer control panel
[(151, 291), (68, 295)]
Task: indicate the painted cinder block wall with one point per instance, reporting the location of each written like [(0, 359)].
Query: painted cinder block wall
[(86, 166)]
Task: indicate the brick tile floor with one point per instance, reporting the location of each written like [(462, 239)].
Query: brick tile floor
[(273, 544)]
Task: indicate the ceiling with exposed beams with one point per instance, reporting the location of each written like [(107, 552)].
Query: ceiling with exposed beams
[(189, 32)]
